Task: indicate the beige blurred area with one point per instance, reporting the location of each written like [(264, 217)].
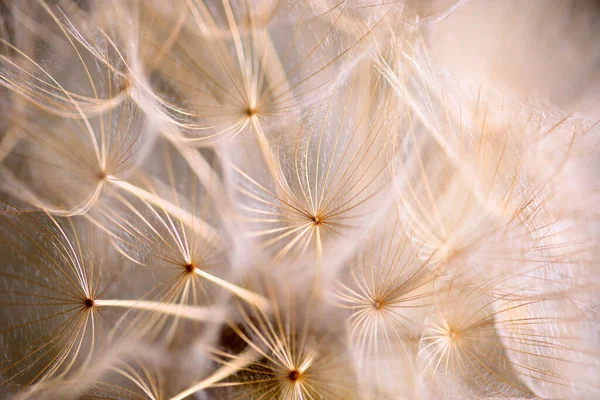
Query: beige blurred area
[(545, 51)]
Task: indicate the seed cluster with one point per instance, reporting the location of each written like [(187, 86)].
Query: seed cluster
[(297, 199)]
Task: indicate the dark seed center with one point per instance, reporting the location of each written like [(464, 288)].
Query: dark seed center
[(88, 303), (294, 375), (190, 268)]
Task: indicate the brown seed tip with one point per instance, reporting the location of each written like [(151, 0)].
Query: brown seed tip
[(189, 268), (89, 303), (294, 375), (102, 175), (250, 112)]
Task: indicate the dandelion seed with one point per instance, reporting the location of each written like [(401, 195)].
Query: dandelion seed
[(389, 293), (253, 79), (69, 162), (293, 358), (55, 288), (312, 202), (476, 344)]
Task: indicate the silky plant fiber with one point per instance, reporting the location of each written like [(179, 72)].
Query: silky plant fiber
[(299, 199)]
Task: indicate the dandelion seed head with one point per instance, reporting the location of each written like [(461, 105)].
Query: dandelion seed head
[(292, 200)]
